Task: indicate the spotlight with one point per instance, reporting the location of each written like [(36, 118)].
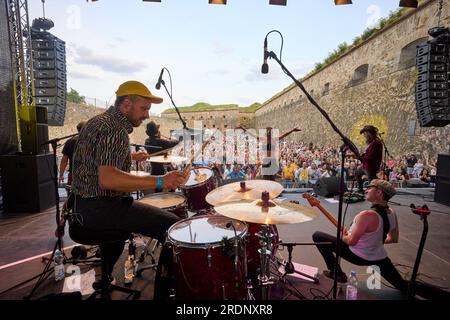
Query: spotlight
[(340, 2), (217, 1), (408, 3), (278, 2)]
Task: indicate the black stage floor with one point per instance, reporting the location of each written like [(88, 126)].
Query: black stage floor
[(26, 238)]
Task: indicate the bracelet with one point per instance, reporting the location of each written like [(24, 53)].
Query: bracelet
[(159, 183)]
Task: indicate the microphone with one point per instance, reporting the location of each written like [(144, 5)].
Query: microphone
[(265, 66), (158, 84)]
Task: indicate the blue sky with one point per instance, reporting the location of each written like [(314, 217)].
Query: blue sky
[(213, 52)]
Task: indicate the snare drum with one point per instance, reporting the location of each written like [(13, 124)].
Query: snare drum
[(169, 201), (200, 183), (205, 264)]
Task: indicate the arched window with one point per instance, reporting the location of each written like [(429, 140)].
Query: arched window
[(408, 53), (360, 74)]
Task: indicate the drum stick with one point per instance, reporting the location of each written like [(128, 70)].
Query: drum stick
[(160, 152), (187, 169)]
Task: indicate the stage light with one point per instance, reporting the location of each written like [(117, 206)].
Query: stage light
[(217, 1), (340, 2), (278, 2), (408, 3)]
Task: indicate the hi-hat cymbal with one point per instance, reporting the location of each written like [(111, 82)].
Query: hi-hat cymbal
[(167, 159), (275, 213), (252, 191)]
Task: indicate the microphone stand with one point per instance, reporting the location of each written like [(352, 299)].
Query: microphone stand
[(386, 152), (347, 145), (175, 106), (185, 128), (59, 226)]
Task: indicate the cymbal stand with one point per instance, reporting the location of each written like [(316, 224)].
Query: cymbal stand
[(264, 278), (289, 266)]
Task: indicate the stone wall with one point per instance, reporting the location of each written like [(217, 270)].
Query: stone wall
[(219, 119), (384, 98)]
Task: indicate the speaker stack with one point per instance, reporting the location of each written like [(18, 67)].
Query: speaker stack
[(432, 85), (50, 79), (442, 191)]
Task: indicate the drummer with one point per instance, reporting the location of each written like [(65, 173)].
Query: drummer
[(102, 162), (154, 139)]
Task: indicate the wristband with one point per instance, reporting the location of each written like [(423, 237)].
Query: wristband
[(159, 183)]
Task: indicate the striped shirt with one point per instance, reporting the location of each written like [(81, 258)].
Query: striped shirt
[(103, 141)]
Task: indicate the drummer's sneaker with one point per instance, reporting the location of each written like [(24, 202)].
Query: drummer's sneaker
[(341, 278)]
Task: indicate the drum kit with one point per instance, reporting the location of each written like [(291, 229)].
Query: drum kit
[(230, 238)]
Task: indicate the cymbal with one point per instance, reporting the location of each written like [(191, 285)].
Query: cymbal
[(167, 159), (140, 173), (253, 189), (276, 213)]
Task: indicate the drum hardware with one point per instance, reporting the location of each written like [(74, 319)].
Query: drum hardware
[(264, 278), (250, 295), (209, 257), (146, 252), (235, 245), (265, 236), (289, 266)]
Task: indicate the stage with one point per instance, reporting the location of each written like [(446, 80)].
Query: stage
[(27, 238)]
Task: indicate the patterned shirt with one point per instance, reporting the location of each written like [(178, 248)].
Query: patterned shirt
[(103, 141)]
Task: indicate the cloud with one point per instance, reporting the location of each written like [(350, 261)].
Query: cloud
[(218, 72), (80, 74), (220, 49), (302, 68), (86, 56), (255, 74)]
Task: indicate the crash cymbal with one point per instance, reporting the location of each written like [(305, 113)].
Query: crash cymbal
[(139, 173), (275, 213), (167, 159), (251, 190)]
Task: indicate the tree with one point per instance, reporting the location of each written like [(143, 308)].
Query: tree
[(74, 96)]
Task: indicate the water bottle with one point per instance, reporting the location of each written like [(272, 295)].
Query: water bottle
[(59, 265), (129, 271), (352, 287)]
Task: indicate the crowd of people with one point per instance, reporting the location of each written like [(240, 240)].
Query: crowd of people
[(303, 164)]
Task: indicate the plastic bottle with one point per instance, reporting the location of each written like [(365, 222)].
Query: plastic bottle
[(129, 270), (352, 287), (130, 263), (59, 265)]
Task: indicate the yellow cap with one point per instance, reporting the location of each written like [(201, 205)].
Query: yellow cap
[(136, 88)]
